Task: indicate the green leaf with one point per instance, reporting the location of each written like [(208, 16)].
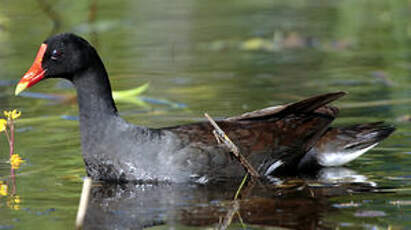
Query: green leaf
[(130, 92)]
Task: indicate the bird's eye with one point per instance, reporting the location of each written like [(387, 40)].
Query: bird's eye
[(56, 54)]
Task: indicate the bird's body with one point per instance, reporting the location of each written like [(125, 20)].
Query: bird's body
[(277, 140)]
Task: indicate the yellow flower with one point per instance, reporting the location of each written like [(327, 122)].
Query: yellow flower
[(16, 114), (17, 199), (3, 189), (13, 202), (12, 114), (16, 161), (3, 125)]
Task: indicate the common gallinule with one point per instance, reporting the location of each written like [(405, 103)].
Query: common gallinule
[(275, 140)]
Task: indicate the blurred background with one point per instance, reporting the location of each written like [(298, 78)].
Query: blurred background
[(220, 57)]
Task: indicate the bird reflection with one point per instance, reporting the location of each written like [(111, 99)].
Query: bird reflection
[(297, 203)]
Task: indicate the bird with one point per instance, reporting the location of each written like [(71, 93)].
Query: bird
[(279, 140)]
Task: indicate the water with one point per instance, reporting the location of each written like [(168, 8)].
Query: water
[(216, 57)]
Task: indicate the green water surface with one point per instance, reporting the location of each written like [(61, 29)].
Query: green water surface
[(220, 57)]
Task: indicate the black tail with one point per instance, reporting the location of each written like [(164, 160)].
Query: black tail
[(365, 135), (339, 146)]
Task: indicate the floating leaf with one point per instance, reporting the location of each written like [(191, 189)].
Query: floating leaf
[(130, 95), (130, 92), (258, 44), (133, 100)]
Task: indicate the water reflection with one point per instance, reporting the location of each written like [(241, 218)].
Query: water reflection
[(8, 189), (198, 53), (342, 175), (296, 204)]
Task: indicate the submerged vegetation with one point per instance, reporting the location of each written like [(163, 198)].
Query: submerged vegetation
[(7, 126)]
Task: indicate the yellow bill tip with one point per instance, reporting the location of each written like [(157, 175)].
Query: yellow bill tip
[(20, 87)]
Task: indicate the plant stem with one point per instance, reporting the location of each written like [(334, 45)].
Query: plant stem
[(229, 216), (11, 142), (11, 147), (13, 181), (240, 187)]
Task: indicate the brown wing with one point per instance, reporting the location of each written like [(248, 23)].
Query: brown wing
[(285, 132), (304, 106)]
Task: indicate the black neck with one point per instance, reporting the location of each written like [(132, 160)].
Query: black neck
[(94, 93)]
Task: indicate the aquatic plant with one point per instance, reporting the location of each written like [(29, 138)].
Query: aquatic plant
[(16, 161), (7, 126)]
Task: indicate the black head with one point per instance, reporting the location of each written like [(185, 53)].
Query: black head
[(62, 55), (67, 54)]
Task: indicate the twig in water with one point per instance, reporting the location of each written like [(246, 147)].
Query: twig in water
[(243, 225), (222, 137), (229, 216), (85, 193)]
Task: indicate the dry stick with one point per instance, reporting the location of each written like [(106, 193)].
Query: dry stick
[(85, 193), (229, 216), (221, 136), (241, 220)]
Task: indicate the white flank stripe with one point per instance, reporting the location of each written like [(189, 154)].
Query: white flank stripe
[(273, 167)]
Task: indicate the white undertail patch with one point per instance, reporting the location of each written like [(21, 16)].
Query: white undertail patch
[(341, 158)]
